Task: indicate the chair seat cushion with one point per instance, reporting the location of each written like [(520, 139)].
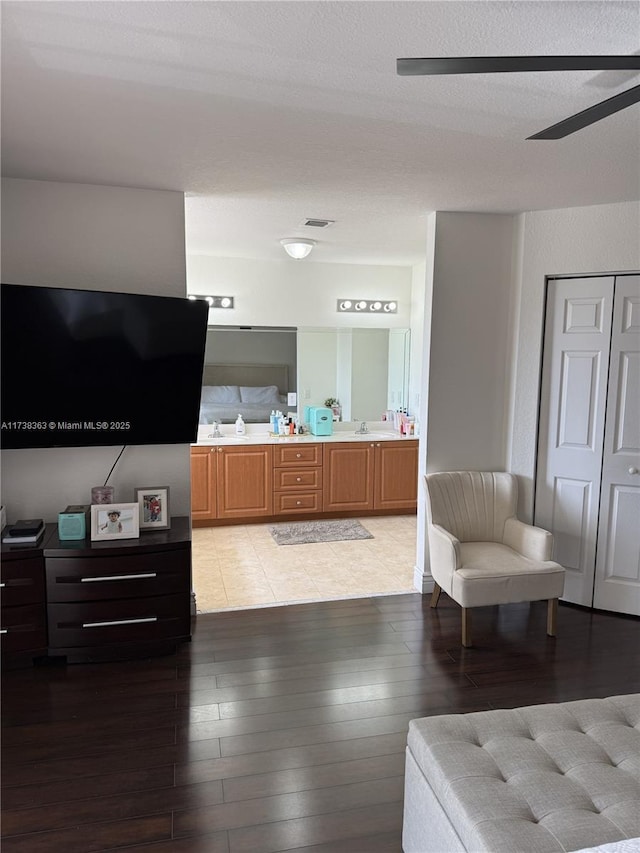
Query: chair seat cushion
[(492, 573)]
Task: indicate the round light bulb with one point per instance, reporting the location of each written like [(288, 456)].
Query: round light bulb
[(390, 306), (344, 306), (210, 300), (191, 297), (225, 302), (376, 306), (360, 306)]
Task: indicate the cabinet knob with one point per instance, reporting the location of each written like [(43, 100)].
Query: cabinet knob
[(298, 479), (298, 455), (298, 503), (633, 470), (378, 444), (219, 450)]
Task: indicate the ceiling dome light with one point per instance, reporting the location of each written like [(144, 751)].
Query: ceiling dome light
[(297, 247)]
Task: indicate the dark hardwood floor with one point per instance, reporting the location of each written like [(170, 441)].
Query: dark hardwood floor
[(277, 729)]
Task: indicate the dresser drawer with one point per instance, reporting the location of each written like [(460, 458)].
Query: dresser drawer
[(295, 455), (131, 620), (24, 628), (295, 479), (101, 578), (22, 581), (297, 502)]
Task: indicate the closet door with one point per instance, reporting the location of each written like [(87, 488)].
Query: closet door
[(572, 422), (617, 585)]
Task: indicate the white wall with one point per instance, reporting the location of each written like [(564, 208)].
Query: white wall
[(91, 237), (466, 377), (298, 293), (575, 241)]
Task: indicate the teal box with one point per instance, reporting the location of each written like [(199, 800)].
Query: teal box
[(72, 523)]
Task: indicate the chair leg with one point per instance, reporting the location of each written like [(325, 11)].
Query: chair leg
[(552, 616), (466, 627), (435, 595)]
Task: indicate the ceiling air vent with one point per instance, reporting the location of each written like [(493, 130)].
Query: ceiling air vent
[(318, 223)]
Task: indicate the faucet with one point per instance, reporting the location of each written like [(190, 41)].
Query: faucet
[(363, 430), (216, 430)]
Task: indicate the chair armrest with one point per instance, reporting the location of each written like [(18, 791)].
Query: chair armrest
[(444, 548), (532, 542)]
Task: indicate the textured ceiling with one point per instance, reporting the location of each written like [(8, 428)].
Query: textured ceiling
[(265, 113)]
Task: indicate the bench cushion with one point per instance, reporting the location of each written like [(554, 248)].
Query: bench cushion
[(540, 779)]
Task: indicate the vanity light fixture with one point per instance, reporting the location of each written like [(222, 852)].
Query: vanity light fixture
[(297, 247), (214, 301), (364, 305)]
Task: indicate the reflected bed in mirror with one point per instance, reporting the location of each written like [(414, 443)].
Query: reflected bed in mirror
[(251, 390)]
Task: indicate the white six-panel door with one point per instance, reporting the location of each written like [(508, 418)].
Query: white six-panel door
[(617, 584), (589, 438), (571, 434)]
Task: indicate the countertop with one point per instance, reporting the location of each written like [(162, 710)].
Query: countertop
[(256, 434)]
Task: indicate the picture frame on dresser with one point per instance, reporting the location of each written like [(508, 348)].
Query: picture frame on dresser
[(115, 521), (153, 503)]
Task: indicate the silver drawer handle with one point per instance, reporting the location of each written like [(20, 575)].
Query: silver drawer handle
[(3, 631), (119, 622), (119, 577), (2, 584)]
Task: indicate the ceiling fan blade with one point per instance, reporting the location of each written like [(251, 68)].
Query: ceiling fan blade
[(590, 115), (498, 64)]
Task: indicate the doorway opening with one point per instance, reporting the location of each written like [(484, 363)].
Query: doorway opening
[(241, 566)]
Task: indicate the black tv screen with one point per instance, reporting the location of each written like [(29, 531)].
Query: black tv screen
[(88, 368)]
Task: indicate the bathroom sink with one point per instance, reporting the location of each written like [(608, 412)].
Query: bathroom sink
[(226, 439), (375, 436)]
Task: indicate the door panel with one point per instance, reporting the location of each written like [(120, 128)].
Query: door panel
[(572, 423), (617, 585)]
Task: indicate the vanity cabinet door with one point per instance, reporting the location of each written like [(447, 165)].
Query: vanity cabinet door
[(244, 481), (348, 476), (203, 483), (396, 475)]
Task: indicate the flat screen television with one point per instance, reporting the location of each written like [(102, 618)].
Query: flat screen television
[(88, 368)]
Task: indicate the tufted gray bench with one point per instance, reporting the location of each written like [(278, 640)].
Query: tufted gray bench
[(539, 779)]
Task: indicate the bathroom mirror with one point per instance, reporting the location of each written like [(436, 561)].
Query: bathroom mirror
[(365, 369)]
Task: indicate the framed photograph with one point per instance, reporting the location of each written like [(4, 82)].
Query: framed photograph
[(153, 503), (115, 521)]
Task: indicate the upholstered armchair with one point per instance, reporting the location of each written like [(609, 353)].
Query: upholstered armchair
[(480, 552)]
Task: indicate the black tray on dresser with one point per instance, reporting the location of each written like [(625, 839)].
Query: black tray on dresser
[(116, 599)]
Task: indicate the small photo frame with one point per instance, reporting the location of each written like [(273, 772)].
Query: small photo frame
[(153, 503), (115, 521)]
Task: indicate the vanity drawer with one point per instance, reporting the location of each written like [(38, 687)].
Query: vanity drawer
[(290, 503), (131, 620), (100, 578), (295, 455), (295, 479)]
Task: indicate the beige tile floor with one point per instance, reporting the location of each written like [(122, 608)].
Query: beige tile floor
[(241, 566)]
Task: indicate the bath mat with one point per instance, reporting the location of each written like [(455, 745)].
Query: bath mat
[(305, 532)]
